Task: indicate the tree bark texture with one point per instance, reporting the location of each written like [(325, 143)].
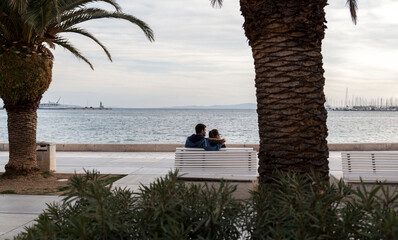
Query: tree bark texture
[(285, 37), (22, 123), (23, 80)]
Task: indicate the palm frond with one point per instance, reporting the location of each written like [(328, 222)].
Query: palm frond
[(353, 5), (19, 5), (42, 14), (57, 10), (73, 17), (8, 22), (84, 15), (28, 34), (4, 7), (89, 35), (68, 46), (141, 24), (67, 5), (4, 32), (36, 24), (216, 3)]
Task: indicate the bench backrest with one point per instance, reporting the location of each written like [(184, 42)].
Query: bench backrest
[(232, 162), (370, 166)]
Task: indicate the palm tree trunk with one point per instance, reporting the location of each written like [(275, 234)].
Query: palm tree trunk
[(285, 36), (23, 80), (22, 123)]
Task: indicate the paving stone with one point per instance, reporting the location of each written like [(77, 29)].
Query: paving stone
[(10, 221)]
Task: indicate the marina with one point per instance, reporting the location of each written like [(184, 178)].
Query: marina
[(363, 108), (355, 103)]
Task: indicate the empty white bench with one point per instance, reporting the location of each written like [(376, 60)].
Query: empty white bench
[(228, 163), (370, 166)]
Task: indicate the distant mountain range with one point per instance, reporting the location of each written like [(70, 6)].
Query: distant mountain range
[(235, 106)]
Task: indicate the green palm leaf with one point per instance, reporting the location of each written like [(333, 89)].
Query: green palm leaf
[(84, 15), (4, 32), (35, 25), (19, 5), (66, 5), (68, 46), (89, 35)]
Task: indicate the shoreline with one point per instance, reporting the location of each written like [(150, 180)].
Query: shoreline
[(170, 147)]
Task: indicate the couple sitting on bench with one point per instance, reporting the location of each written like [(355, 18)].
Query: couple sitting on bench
[(198, 140)]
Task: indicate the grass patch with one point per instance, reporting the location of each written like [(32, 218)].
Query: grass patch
[(8, 192), (61, 189), (46, 174)]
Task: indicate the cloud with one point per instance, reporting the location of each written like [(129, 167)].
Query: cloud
[(201, 56), (362, 57)]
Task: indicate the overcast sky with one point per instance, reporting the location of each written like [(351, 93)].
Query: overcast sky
[(201, 56)]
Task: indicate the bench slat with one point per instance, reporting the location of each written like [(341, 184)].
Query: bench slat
[(215, 156), (214, 171), (209, 163), (228, 163), (370, 166), (225, 159), (201, 149)]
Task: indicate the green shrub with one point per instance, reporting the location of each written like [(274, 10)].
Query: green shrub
[(298, 207), (46, 174), (167, 209), (91, 209), (374, 213), (295, 207)]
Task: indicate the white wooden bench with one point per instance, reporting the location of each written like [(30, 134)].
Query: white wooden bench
[(227, 164), (370, 166)]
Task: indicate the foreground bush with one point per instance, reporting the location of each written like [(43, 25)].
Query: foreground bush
[(298, 207), (295, 207), (167, 209)]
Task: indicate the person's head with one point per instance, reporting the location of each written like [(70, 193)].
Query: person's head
[(200, 129), (214, 133)]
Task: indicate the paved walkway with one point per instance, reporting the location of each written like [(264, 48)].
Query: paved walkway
[(18, 211)]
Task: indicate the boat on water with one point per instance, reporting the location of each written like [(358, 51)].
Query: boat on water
[(58, 106), (53, 105)]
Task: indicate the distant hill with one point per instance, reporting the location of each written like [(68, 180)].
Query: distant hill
[(235, 106)]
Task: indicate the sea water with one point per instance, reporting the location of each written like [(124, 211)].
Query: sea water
[(174, 125)]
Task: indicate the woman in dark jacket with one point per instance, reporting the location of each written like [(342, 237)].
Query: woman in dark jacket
[(214, 138)]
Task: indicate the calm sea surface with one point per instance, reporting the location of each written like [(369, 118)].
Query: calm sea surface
[(173, 126)]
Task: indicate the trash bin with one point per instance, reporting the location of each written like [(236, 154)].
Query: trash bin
[(45, 154)]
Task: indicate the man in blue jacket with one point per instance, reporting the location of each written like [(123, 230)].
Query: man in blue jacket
[(198, 140)]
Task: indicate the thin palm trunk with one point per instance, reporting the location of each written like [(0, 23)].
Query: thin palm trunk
[(285, 36), (22, 122)]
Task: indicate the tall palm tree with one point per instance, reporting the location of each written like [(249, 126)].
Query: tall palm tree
[(28, 30), (285, 37)]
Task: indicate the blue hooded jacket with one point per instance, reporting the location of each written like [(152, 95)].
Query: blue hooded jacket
[(199, 141)]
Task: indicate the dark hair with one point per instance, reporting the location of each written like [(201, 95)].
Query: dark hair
[(199, 128), (213, 133)]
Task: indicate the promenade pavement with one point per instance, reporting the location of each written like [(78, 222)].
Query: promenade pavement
[(19, 211)]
